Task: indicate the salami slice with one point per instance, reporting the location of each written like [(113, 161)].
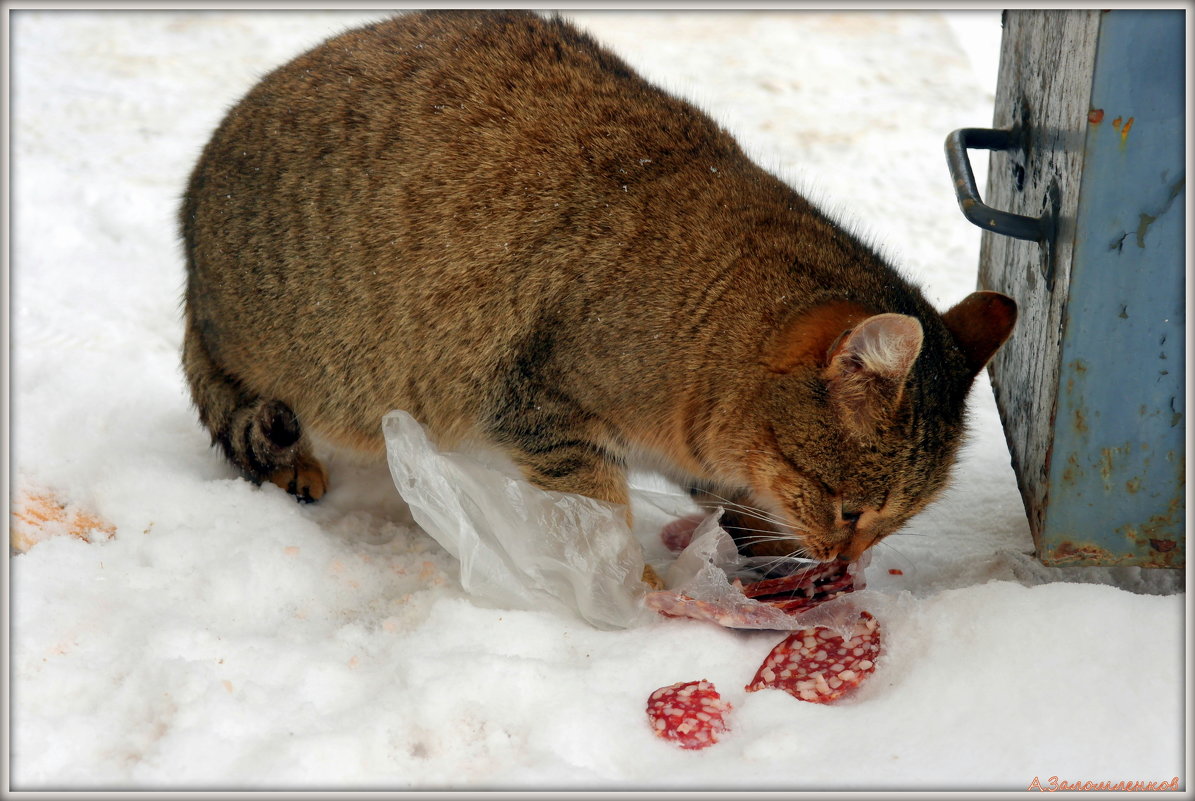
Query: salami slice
[(819, 582), (817, 665), (690, 714), (805, 579)]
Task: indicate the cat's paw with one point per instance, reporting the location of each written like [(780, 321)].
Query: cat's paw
[(306, 479)]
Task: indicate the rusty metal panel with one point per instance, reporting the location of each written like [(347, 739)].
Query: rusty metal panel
[(1117, 476), (1091, 386)]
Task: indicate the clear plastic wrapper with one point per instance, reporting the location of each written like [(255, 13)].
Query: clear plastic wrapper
[(706, 579), (523, 547)]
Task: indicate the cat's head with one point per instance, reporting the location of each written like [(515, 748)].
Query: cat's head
[(863, 417)]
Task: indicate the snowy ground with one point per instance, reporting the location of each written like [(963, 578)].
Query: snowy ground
[(227, 637)]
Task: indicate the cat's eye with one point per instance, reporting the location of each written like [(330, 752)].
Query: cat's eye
[(851, 516)]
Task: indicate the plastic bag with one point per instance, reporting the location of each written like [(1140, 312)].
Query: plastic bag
[(518, 545), (523, 547), (699, 585)]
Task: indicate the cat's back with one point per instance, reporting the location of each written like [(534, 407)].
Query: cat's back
[(427, 186), (482, 63), (443, 86), (452, 131)]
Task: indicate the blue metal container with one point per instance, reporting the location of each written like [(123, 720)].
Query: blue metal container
[(1089, 164)]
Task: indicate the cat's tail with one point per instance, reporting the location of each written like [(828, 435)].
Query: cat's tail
[(260, 436)]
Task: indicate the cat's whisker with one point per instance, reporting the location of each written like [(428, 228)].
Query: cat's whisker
[(775, 560), (759, 539), (797, 553), (767, 566), (760, 513), (761, 533), (776, 536), (907, 561), (752, 510)]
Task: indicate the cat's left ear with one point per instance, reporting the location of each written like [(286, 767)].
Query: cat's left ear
[(980, 323), (868, 368)]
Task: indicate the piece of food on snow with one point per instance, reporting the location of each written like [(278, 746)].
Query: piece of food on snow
[(690, 714), (39, 515), (818, 665)]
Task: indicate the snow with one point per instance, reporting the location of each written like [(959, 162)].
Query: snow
[(227, 637)]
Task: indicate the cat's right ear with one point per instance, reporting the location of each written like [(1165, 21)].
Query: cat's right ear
[(980, 323), (867, 369)]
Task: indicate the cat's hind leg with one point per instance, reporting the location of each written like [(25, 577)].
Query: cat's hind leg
[(260, 436)]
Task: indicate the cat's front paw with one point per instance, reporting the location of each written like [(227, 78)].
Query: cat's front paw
[(306, 479)]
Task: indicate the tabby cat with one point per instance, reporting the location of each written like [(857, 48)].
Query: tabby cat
[(489, 221)]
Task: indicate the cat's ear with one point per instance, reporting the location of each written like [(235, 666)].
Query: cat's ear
[(980, 323), (868, 367)]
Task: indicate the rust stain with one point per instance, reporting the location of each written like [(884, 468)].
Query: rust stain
[(1106, 462), (1073, 471), (1079, 366), (1133, 485), (1170, 519), (1080, 420), (1095, 116), (1124, 132), (1068, 552), (1159, 534), (1116, 123)]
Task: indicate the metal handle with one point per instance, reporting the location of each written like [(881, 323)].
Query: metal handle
[(1035, 229)]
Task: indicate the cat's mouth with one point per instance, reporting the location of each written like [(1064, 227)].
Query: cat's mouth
[(759, 531), (797, 543), (848, 546)]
